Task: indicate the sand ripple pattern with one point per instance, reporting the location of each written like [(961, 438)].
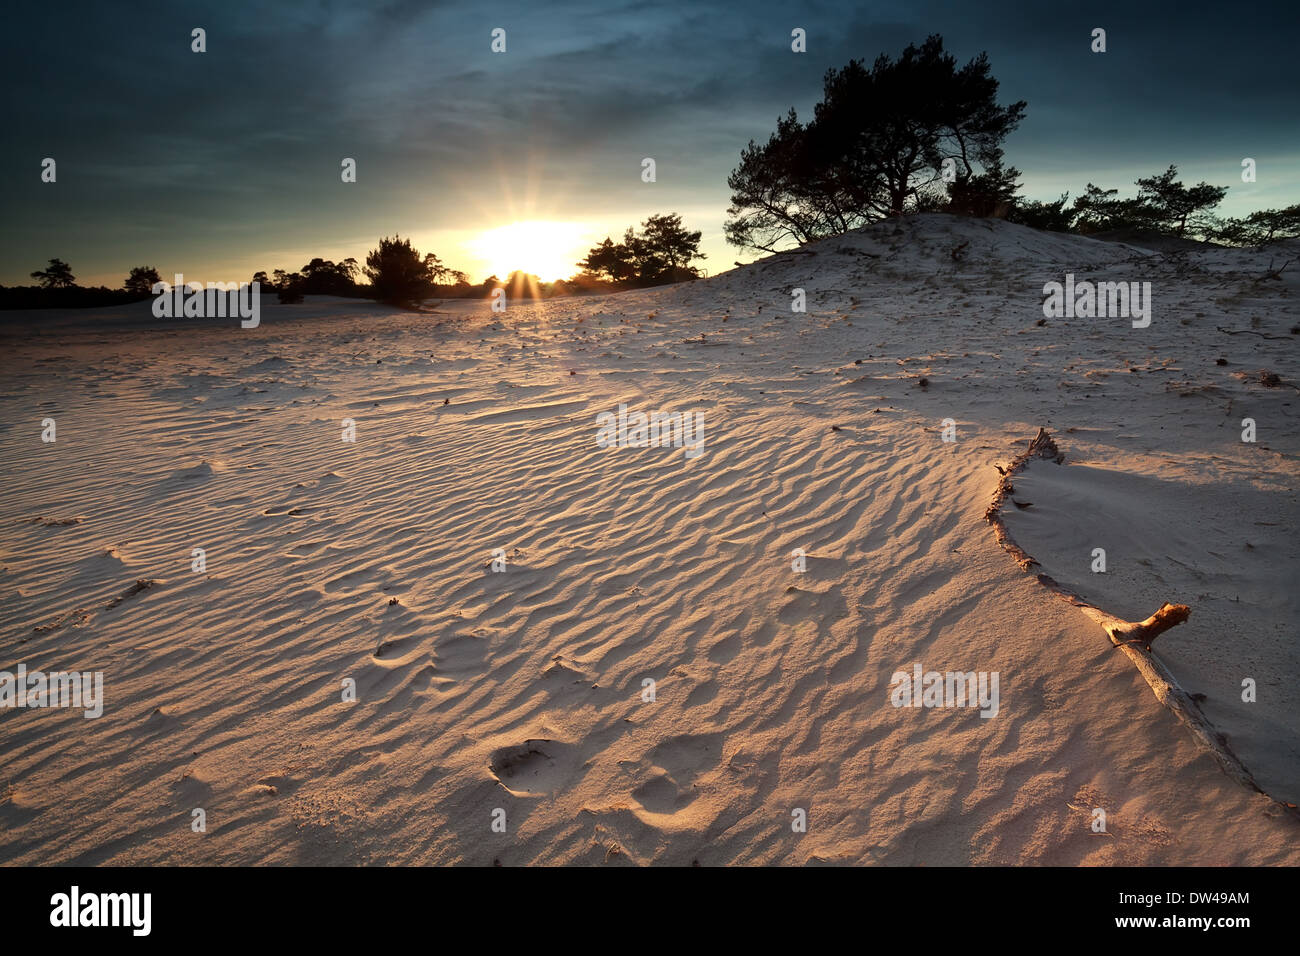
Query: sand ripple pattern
[(523, 690)]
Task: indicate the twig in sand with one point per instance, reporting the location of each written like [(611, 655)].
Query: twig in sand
[(1133, 639), (1274, 273), (1262, 335)]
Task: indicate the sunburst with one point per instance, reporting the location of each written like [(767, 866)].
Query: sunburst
[(547, 249)]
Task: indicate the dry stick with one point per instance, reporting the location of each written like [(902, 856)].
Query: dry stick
[(1274, 273), (1262, 335), (1134, 639)]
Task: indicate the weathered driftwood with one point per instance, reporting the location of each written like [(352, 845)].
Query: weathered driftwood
[(1133, 639)]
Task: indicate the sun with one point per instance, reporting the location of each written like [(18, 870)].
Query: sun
[(549, 250)]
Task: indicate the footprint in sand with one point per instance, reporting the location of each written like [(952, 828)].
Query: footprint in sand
[(200, 472), (661, 794), (461, 653), (672, 769), (534, 767)]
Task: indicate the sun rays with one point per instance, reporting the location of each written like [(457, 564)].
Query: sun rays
[(547, 249)]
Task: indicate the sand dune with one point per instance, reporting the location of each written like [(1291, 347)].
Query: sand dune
[(523, 690)]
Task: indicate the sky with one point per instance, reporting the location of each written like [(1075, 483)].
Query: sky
[(222, 163)]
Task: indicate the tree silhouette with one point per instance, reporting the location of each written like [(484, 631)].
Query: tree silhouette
[(1098, 209), (668, 245), (141, 280), (437, 272), (398, 273), (990, 193), (57, 276), (1162, 204), (323, 277), (1170, 206), (877, 143), (782, 193), (1048, 216), (610, 259), (290, 289), (1261, 227), (662, 252)]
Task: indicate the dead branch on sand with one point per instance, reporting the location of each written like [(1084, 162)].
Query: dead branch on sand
[(1262, 335), (1274, 273), (1132, 638)]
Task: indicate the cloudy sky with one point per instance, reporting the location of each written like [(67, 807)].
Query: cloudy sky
[(222, 163)]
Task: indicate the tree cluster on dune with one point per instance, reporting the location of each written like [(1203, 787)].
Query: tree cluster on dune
[(921, 134)]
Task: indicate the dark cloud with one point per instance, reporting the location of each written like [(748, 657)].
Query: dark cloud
[(202, 161)]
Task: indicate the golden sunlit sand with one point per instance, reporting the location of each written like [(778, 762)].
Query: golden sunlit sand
[(524, 690)]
